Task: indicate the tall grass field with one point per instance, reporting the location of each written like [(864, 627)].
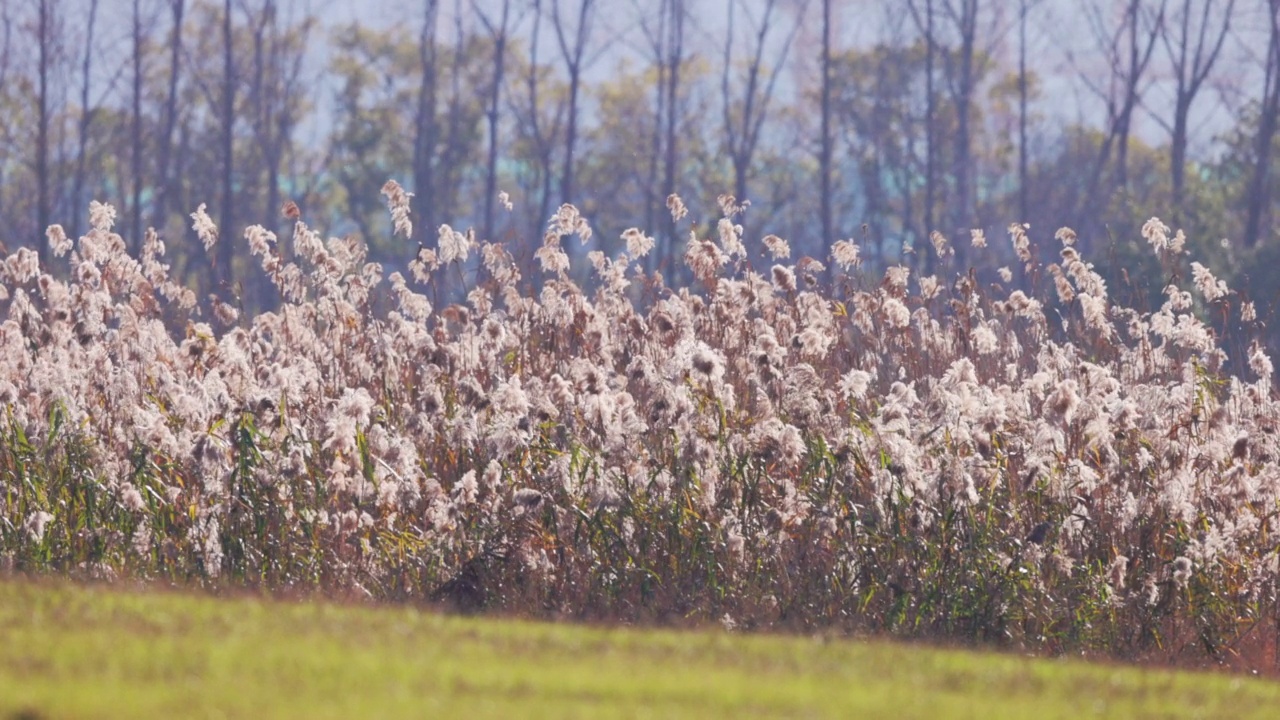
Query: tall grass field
[(1008, 456)]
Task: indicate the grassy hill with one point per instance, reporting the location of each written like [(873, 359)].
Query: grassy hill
[(75, 651)]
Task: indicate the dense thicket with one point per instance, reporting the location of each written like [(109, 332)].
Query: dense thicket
[(929, 455)]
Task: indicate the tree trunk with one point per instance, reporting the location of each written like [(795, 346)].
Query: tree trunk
[(824, 154), (570, 138), (542, 140), (931, 153), (930, 140), (226, 225), (962, 85), (962, 218), (1023, 215), (671, 164), (452, 156), (1178, 155), (87, 114), (499, 35), (8, 217), (742, 133), (657, 43), (44, 21), (573, 57), (164, 155), (426, 127), (1129, 56), (1260, 182), (1191, 61), (135, 135)]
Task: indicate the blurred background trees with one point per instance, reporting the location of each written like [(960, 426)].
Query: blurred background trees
[(878, 121)]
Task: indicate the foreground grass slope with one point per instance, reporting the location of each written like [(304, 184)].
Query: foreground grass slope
[(73, 651)]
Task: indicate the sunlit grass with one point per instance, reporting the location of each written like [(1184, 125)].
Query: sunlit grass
[(73, 651)]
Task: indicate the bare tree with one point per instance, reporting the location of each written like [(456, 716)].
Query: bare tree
[(44, 70), (169, 120), (225, 273), (1259, 198), (925, 24), (677, 16), (1127, 47), (1024, 8), (262, 32), (279, 46), (574, 52), (426, 128), (825, 142), (666, 41), (964, 64), (138, 42), (656, 38), (1193, 38), (877, 115), (5, 45), (962, 83), (498, 30), (539, 131), (745, 111), (460, 115), (88, 112)]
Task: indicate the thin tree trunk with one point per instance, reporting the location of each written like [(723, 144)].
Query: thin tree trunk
[(1023, 175), (962, 85), (226, 224), (86, 122), (573, 57), (824, 157), (671, 163), (1138, 61), (453, 153), (930, 138), (427, 131), (499, 35), (930, 110), (742, 133), (1260, 182), (164, 155), (657, 42), (278, 120), (135, 135), (570, 139), (1129, 59), (261, 108), (1178, 155), (43, 69), (1191, 61), (7, 218), (739, 150), (540, 139)]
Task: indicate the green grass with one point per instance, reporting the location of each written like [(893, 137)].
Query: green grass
[(75, 651)]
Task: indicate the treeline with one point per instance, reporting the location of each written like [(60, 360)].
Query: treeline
[(880, 122)]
